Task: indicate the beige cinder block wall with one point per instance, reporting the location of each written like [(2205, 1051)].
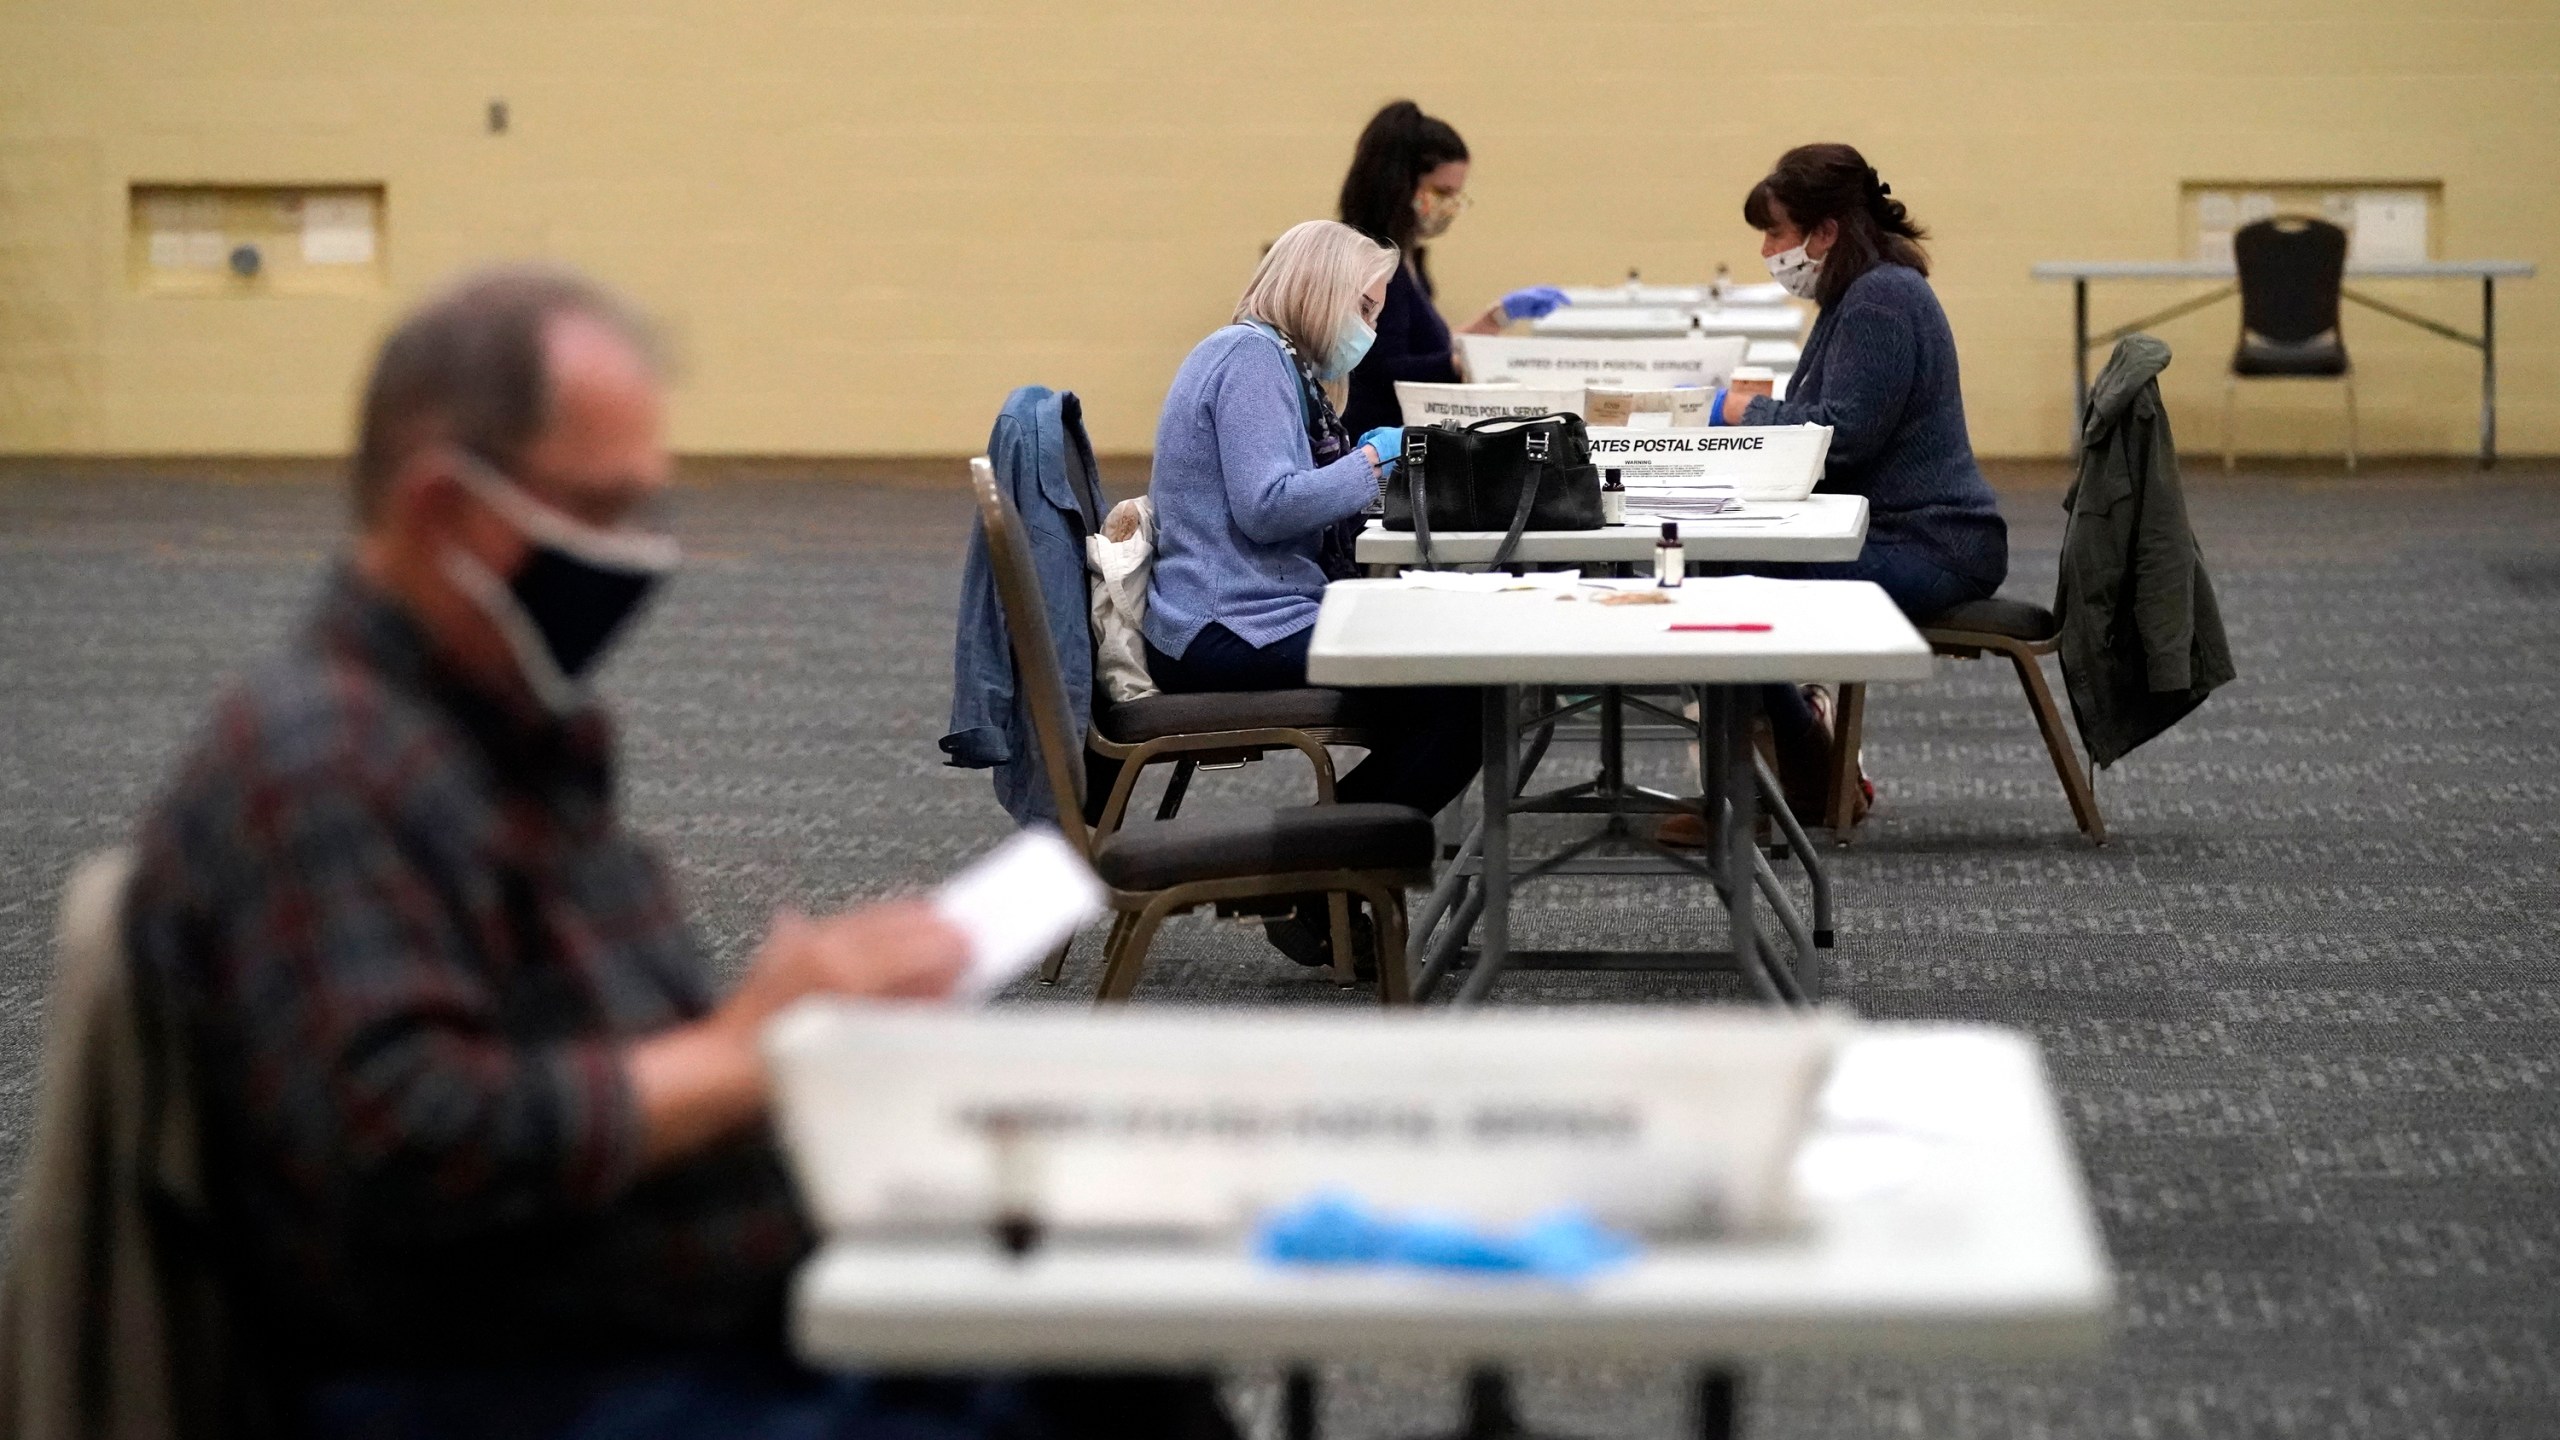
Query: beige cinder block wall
[(865, 222)]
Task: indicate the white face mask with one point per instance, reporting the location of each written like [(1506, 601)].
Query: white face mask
[(1795, 270)]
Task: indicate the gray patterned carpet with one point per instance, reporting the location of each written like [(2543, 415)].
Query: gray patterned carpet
[(2303, 1011)]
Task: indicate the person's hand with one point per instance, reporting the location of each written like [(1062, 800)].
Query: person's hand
[(1386, 442), (1536, 302), (1737, 397), (897, 950), (698, 1082)]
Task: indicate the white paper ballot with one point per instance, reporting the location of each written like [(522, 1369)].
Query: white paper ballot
[(1016, 903)]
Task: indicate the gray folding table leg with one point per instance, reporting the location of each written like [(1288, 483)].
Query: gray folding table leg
[(1501, 705), (2079, 357), (1738, 793), (2488, 371), (1443, 897), (1719, 1404), (1436, 963), (1298, 1403), (1802, 979), (1775, 797)]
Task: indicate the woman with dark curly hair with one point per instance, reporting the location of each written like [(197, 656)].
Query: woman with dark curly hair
[(1880, 370)]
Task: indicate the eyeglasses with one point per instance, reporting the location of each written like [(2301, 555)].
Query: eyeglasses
[(628, 510)]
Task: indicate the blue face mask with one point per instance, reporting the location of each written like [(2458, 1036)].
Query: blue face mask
[(1349, 345)]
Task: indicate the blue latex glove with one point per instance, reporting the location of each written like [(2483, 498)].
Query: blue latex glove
[(1533, 303), (1388, 441), (1335, 1229)]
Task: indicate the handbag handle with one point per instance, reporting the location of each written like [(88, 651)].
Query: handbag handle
[(1492, 420), (1417, 451), (1533, 481)]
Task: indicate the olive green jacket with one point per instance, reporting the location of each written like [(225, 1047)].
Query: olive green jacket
[(2142, 640)]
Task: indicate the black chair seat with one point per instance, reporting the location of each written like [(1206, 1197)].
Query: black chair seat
[(2015, 619), (2321, 356), (1157, 716), (1152, 856)]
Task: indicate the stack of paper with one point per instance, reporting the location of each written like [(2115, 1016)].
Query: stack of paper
[(1693, 502)]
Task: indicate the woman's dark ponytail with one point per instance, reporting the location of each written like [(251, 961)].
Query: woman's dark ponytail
[(1814, 183), (1891, 216), (1397, 148)]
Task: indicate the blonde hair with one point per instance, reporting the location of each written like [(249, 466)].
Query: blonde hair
[(1310, 282)]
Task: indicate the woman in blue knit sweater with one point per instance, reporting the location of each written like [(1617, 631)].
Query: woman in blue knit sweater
[(1880, 370)]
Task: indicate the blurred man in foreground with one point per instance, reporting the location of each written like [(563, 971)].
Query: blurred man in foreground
[(486, 1154)]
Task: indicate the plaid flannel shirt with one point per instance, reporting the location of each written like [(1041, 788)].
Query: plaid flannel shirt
[(407, 935)]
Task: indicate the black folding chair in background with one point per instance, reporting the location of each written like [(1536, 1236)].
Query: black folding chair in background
[(2292, 272)]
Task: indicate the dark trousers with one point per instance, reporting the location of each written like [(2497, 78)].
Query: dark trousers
[(1425, 742), (1919, 586), (747, 1398)]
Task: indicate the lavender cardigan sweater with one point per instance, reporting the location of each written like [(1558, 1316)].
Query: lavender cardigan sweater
[(1240, 502)]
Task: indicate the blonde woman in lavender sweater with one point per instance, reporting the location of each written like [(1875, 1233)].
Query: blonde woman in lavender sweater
[(1256, 488)]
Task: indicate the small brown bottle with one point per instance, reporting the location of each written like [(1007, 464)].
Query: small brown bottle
[(1670, 565)]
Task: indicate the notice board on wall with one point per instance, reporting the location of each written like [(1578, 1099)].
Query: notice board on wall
[(217, 239)]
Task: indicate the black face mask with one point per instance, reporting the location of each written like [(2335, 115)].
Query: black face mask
[(576, 590), (577, 604)]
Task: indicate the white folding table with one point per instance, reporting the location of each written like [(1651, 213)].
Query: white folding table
[(1759, 322), (2487, 272), (1819, 527), (1635, 296), (1943, 1216), (1384, 632)]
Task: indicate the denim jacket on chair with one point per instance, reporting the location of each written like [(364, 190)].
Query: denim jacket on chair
[(1045, 465)]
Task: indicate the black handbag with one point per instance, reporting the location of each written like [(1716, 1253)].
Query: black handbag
[(1510, 473)]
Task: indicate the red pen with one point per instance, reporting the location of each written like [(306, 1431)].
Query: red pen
[(1747, 627)]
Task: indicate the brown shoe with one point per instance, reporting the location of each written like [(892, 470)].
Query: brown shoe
[(1684, 831)]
